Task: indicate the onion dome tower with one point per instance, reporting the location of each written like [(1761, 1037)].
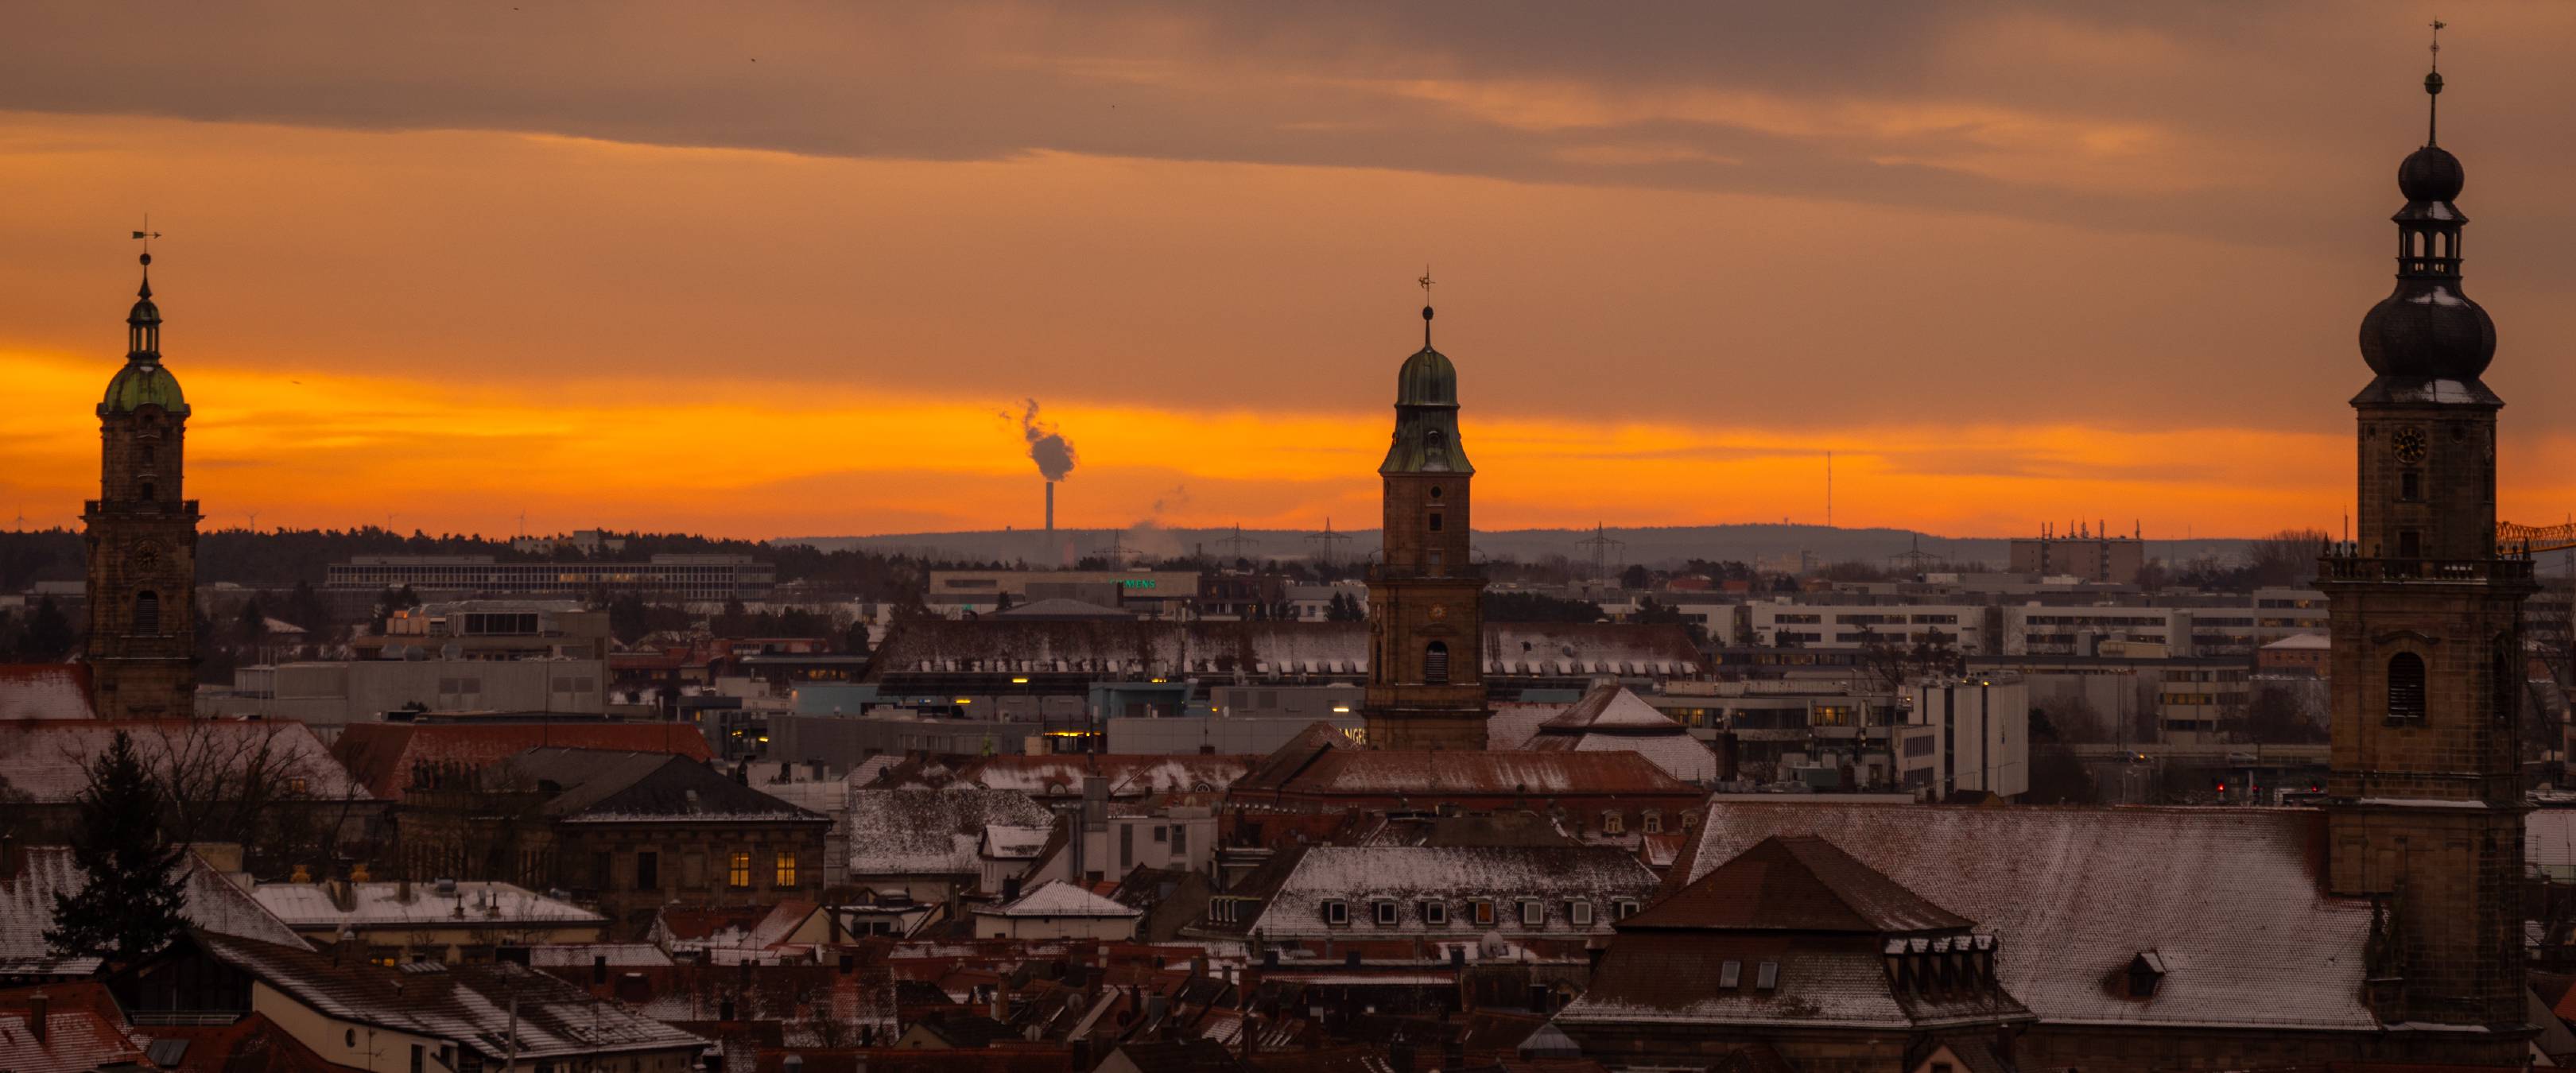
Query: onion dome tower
[(142, 536), (1426, 686), (2425, 801)]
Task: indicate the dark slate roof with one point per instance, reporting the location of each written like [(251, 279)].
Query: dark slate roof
[(1824, 981), (606, 786), (1796, 883), (383, 756), (1181, 1056), (2232, 899)]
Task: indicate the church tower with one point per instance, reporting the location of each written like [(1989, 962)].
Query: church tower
[(2425, 803), (1426, 687), (142, 537)]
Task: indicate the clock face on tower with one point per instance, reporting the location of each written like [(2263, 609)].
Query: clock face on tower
[(2409, 443)]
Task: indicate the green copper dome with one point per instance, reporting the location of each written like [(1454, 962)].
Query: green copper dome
[(141, 384), (1427, 379)]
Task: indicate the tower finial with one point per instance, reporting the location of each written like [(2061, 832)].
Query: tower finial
[(2433, 85), (1425, 281), (146, 236)]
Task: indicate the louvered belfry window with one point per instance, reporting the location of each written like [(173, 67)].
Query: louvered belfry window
[(2405, 687)]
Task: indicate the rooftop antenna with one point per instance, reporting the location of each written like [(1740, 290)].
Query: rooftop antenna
[(1426, 304), (523, 521), (2433, 84), (1329, 538), (254, 520)]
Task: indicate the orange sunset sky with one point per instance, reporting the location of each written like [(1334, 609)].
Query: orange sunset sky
[(777, 269)]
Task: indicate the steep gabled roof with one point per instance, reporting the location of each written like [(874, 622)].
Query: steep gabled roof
[(1610, 708), (1056, 898), (2232, 899), (1796, 883), (382, 756), (601, 786), (466, 1003), (27, 904), (48, 759)]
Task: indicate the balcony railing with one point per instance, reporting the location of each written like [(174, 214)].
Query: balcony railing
[(2340, 566)]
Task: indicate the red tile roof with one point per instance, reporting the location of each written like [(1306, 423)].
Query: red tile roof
[(83, 1030), (381, 756), (1796, 883)]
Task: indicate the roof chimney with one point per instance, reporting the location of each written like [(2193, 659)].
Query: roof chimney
[(37, 1014)]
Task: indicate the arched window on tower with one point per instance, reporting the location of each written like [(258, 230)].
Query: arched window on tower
[(147, 613), (147, 490), (2406, 688), (1435, 663)]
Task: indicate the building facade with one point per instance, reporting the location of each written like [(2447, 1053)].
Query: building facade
[(1426, 686), (141, 534), (2425, 798)]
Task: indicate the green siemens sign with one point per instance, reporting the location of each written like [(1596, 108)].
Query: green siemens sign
[(1136, 583)]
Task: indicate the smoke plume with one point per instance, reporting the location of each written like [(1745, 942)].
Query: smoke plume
[(1047, 447)]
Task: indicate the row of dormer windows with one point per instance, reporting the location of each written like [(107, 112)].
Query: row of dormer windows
[(1477, 912)]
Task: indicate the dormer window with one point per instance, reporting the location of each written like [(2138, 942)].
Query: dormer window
[(1579, 913), (1435, 914), (1337, 912), (2146, 973), (1730, 975), (1623, 909), (1533, 913), (1384, 912), (1613, 823), (1653, 819), (1481, 910)]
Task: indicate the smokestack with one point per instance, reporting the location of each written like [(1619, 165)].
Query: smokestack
[(1050, 515)]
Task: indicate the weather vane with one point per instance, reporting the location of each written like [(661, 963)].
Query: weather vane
[(1425, 281), (2437, 44), (147, 235)]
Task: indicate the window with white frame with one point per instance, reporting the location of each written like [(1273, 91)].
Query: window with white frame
[(1481, 910), (1435, 913), (1613, 823), (1533, 912), (1579, 912), (1623, 909), (1384, 911), (1653, 821), (1337, 911)]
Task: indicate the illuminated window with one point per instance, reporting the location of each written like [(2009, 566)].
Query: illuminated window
[(738, 870), (1482, 910), (1613, 823), (786, 869), (1654, 821)]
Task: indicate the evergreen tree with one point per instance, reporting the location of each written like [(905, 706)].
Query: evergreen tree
[(130, 907), (48, 636)]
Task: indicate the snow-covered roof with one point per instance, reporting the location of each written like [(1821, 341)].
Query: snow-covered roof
[(1679, 755), (48, 759), (1014, 842), (2231, 899), (1610, 708), (378, 904), (44, 691), (27, 903), (911, 831), (1129, 776), (386, 756), (2302, 642), (469, 1004), (1056, 898), (584, 955), (83, 1031), (1341, 772), (1409, 875)]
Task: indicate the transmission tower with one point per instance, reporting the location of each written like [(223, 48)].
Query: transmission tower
[(1601, 544), (1235, 545), (1329, 538)]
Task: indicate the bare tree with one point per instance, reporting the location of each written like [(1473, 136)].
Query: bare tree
[(2288, 557)]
